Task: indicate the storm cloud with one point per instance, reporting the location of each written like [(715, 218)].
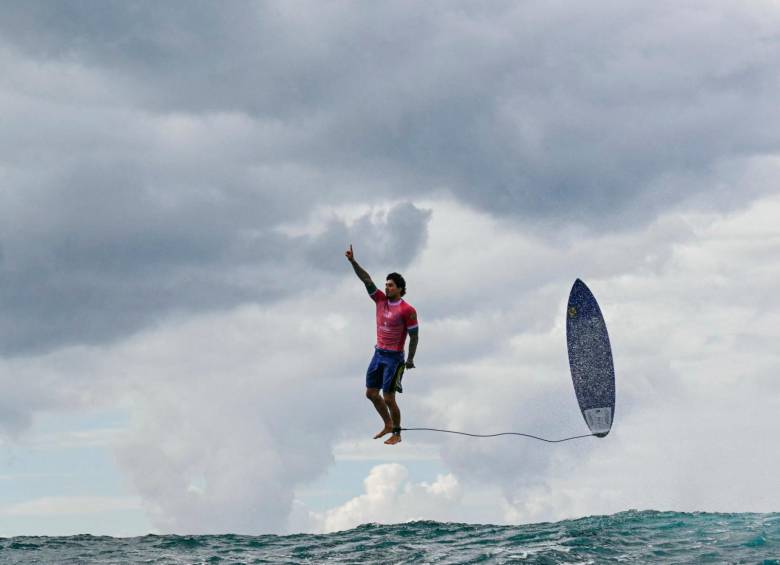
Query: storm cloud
[(180, 169), (149, 152)]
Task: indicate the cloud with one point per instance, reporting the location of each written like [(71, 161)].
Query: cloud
[(687, 301), (369, 450), (232, 412), (673, 338), (178, 183), (117, 216), (220, 406), (247, 411), (393, 235), (151, 154), (390, 497), (67, 380), (224, 404), (517, 108), (98, 286)]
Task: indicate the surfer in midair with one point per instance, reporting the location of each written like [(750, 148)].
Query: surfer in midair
[(395, 318)]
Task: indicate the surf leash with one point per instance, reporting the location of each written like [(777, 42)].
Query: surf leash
[(496, 435)]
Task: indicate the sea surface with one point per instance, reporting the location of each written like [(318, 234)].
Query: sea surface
[(627, 537)]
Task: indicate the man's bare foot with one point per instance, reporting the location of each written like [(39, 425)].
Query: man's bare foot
[(395, 438), (384, 432)]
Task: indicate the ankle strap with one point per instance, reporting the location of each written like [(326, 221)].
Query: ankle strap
[(397, 431)]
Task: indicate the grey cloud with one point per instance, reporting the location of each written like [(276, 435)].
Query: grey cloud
[(397, 239), (15, 413), (88, 282), (388, 239), (600, 116), (534, 110)]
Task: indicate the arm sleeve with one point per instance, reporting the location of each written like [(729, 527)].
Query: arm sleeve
[(410, 318), (375, 294)]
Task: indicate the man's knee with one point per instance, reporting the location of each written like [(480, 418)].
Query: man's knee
[(372, 394), (389, 398)]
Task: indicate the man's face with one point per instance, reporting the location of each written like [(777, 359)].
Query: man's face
[(391, 290)]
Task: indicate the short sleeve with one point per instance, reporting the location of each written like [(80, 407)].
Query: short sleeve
[(410, 318), (377, 295)]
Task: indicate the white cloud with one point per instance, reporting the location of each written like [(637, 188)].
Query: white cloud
[(373, 450), (688, 301), (231, 413), (390, 497), (224, 406)]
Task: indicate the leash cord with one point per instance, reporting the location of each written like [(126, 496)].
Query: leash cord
[(495, 435)]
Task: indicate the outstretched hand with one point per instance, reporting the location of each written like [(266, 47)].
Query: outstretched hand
[(349, 254)]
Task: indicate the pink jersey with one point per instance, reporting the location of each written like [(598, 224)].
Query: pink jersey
[(393, 321)]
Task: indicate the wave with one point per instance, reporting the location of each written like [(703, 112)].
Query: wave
[(627, 537)]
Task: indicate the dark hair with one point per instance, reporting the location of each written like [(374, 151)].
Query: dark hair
[(398, 280)]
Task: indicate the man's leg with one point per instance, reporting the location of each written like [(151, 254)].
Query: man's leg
[(395, 414), (373, 395)]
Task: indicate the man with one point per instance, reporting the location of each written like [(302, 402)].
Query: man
[(394, 319)]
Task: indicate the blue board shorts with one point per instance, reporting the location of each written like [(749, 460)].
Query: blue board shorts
[(386, 370)]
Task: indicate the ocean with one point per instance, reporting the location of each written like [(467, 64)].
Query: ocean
[(627, 537)]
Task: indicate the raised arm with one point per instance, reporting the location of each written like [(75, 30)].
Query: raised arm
[(359, 271)]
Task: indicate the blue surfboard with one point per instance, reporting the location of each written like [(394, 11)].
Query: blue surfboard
[(590, 359)]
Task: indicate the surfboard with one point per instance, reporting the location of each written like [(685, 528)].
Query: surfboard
[(590, 359)]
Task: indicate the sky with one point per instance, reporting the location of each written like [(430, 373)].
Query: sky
[(183, 344)]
